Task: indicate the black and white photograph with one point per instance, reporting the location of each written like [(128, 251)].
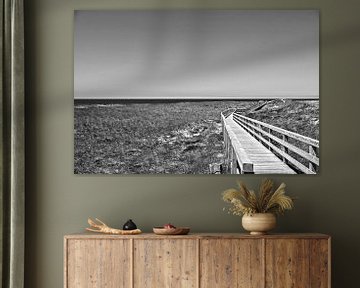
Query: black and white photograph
[(196, 92)]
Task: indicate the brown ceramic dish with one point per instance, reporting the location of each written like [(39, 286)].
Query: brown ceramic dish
[(171, 231)]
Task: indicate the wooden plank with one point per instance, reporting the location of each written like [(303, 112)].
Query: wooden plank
[(329, 262), (319, 263), (98, 263), (271, 166), (165, 263), (287, 263), (98, 236), (290, 134), (267, 161), (231, 263), (132, 272), (267, 171), (198, 257), (66, 263)]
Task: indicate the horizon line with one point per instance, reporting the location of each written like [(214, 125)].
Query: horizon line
[(200, 98)]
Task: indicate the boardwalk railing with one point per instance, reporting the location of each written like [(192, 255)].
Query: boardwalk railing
[(298, 151), (236, 160)]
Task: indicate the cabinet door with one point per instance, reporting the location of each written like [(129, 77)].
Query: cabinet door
[(165, 263), (320, 263), (287, 263), (231, 263), (98, 263)]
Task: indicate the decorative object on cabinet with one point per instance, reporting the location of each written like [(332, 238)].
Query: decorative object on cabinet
[(258, 223), (171, 231), (101, 227), (129, 225), (258, 209)]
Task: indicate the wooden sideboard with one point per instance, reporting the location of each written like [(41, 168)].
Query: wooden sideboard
[(197, 260)]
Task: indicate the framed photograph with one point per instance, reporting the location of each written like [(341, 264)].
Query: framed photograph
[(196, 92)]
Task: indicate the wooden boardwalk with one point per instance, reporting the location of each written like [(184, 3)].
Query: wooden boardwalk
[(263, 160)]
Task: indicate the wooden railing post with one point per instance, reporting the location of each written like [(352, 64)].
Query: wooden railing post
[(283, 148), (228, 153), (233, 161), (259, 126), (226, 150), (223, 124), (312, 152)]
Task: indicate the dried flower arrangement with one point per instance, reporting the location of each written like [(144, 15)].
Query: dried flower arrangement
[(246, 202)]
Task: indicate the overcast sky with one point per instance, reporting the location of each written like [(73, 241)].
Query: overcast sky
[(196, 54)]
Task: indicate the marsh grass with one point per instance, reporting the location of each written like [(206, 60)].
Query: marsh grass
[(160, 137)]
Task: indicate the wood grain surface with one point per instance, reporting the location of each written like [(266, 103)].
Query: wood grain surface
[(287, 263), (88, 235), (165, 263), (204, 260), (231, 263), (320, 263), (98, 263)]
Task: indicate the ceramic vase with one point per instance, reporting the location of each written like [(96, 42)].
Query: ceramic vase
[(259, 223)]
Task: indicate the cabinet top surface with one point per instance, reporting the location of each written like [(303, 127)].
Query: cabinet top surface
[(87, 235)]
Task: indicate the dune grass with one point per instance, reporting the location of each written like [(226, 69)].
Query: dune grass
[(160, 137)]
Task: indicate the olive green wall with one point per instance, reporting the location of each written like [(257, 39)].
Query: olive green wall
[(59, 202)]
